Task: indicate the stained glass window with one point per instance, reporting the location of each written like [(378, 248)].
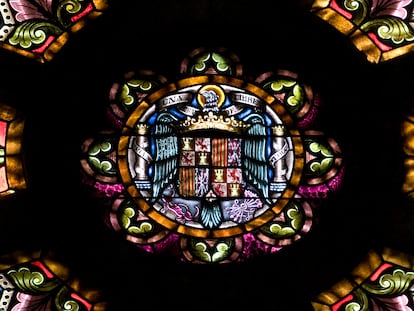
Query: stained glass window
[(213, 167), (268, 184), (39, 29)]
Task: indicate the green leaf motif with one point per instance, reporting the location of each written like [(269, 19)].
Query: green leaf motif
[(143, 85), (104, 166), (279, 85), (322, 166), (125, 217), (280, 231), (359, 303), (71, 305), (296, 217), (359, 9), (68, 6), (200, 64), (222, 64), (324, 157), (220, 251), (128, 91), (390, 28), (63, 301), (97, 148), (297, 99), (144, 227), (125, 97), (32, 281), (295, 94), (97, 157), (391, 284), (295, 221), (317, 147), (33, 32)]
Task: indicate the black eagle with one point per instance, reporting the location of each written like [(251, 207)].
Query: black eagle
[(167, 155)]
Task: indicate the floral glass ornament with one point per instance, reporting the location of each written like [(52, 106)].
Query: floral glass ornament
[(383, 280), (36, 281), (381, 29), (39, 29)]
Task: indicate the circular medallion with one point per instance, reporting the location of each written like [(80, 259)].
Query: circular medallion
[(210, 156), (213, 167)]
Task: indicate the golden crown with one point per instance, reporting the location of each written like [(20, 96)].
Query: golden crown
[(279, 130), (212, 121), (142, 128)]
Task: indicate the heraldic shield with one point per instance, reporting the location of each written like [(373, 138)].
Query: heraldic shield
[(212, 167), (213, 156)]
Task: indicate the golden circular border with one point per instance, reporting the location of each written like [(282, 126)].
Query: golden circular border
[(151, 212)]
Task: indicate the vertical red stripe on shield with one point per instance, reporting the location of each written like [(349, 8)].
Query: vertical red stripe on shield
[(187, 184), (219, 152)]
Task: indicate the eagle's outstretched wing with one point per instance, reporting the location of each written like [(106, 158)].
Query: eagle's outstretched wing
[(255, 164), (166, 153)]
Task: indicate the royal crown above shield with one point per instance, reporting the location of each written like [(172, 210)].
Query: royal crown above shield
[(212, 165)]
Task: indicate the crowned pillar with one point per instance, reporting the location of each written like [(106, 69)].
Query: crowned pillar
[(278, 158), (142, 158)]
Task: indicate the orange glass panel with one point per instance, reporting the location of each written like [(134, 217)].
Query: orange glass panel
[(12, 171)]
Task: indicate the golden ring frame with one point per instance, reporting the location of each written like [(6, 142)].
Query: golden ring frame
[(152, 213)]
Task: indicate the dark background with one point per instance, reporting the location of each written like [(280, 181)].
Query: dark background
[(64, 103)]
